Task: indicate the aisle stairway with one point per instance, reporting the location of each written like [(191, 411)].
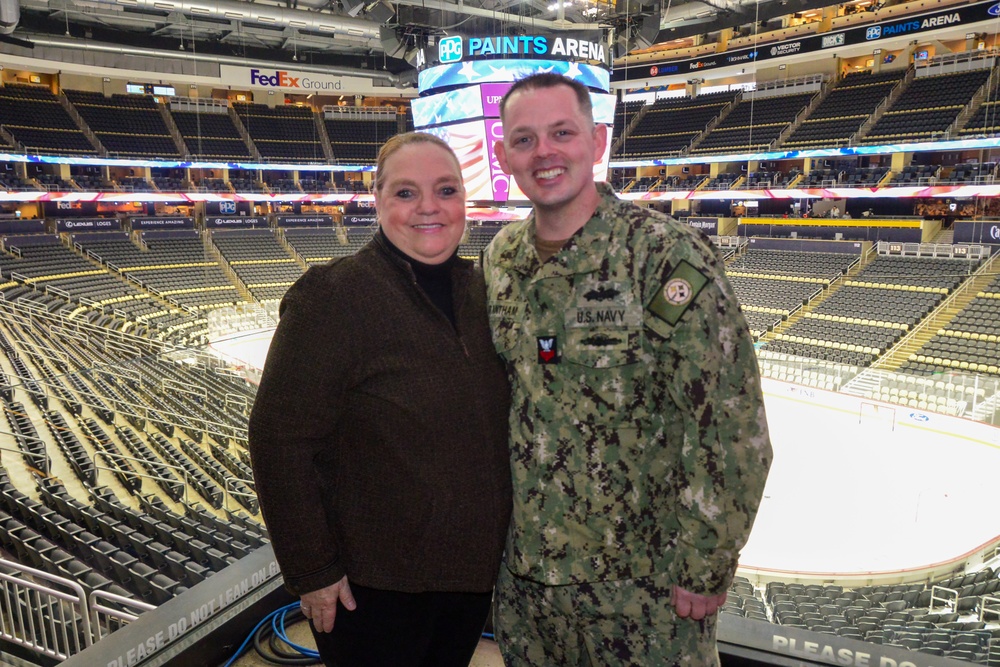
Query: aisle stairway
[(927, 329)]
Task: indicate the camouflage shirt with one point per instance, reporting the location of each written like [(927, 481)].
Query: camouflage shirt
[(639, 443)]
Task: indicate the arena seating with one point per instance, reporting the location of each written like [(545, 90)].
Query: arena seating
[(357, 140), (972, 173), (476, 239), (211, 136), (761, 180), (754, 124), (282, 133), (984, 122), (126, 125), (771, 284), (358, 237), (969, 342), (315, 245), (10, 180), (175, 268), (859, 177), (642, 184), (670, 125), (308, 184), (689, 182), (723, 181), (624, 113), (927, 107), (55, 274), (245, 181), (902, 615), (276, 183), (870, 312), (264, 267), (841, 113), (89, 178), (821, 178), (913, 174), (38, 121)]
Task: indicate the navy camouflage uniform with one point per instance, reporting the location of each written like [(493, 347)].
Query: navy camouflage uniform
[(639, 444)]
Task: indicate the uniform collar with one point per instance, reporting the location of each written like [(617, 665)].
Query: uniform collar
[(584, 251)]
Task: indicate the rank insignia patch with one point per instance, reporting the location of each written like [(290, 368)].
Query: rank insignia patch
[(678, 293), (548, 350)]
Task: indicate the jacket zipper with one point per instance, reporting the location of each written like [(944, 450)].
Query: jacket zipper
[(452, 327)]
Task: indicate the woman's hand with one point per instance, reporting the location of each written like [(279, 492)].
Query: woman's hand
[(321, 606)]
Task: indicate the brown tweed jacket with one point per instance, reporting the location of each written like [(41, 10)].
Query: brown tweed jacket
[(379, 432)]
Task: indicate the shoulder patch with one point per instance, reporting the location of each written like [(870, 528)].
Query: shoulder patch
[(677, 293)]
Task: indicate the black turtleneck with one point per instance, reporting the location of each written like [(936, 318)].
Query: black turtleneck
[(433, 279)]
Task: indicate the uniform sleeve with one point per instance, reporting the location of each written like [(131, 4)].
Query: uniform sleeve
[(291, 424), (713, 387)]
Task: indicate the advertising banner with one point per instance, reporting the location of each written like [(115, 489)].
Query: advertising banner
[(492, 94), (176, 222), (708, 225), (294, 81), (570, 46), (239, 221), (986, 231), (87, 224), (909, 25), (360, 220), (305, 221), (15, 226)]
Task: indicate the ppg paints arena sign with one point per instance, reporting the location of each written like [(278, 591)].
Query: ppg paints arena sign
[(581, 46)]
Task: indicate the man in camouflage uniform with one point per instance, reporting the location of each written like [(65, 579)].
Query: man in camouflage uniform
[(639, 445)]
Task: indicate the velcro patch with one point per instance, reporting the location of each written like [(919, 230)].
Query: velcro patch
[(678, 293), (548, 350)]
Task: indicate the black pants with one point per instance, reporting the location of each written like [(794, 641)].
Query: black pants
[(391, 629)]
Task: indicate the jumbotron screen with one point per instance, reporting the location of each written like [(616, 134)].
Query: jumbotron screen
[(468, 119)]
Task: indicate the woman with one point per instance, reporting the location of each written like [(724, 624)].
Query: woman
[(379, 432)]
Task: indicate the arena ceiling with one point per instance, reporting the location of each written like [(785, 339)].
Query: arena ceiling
[(379, 34)]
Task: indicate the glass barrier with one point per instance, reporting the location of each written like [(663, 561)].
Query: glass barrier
[(957, 394)]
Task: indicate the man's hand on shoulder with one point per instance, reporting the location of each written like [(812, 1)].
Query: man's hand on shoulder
[(695, 606)]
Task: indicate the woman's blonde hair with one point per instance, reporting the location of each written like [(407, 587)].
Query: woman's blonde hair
[(407, 139)]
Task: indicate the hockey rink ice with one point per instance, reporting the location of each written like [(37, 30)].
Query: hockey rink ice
[(850, 492)]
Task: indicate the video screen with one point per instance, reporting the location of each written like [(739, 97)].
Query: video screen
[(468, 119)]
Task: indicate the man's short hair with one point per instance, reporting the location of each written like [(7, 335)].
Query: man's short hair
[(551, 80)]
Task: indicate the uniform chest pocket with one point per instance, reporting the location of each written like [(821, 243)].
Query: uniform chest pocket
[(606, 375)]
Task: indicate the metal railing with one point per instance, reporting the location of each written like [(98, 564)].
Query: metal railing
[(42, 612), (989, 605), (53, 616), (108, 612), (948, 597)]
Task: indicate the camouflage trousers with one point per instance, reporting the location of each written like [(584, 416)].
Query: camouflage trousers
[(600, 624)]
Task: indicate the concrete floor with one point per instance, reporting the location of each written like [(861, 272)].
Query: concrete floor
[(487, 655)]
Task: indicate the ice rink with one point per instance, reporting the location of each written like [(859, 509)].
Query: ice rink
[(848, 495)]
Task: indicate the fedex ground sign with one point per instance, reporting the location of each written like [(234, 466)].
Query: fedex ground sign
[(293, 81), (276, 79)]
